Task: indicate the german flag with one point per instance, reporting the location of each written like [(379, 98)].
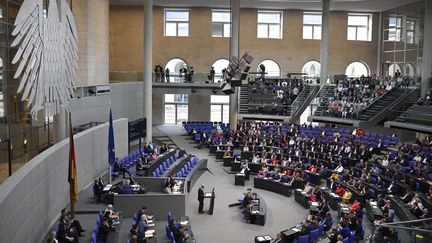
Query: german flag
[(72, 174)]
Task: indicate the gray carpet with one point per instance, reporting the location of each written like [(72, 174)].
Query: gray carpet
[(226, 224)]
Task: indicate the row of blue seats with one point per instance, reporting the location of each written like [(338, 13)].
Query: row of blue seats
[(96, 229), (129, 160), (187, 167), (315, 234), (164, 166)]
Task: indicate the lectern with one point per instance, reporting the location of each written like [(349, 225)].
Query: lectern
[(211, 196)]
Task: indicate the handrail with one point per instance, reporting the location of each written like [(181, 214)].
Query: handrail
[(388, 109), (379, 98), (308, 97), (409, 94)]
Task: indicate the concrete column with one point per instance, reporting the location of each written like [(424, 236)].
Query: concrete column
[(324, 41), (148, 58), (234, 51), (427, 50), (380, 44), (60, 128)]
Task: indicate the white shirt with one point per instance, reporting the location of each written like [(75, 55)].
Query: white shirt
[(339, 169)]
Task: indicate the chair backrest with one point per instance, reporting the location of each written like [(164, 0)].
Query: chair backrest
[(314, 235), (346, 240), (303, 239), (352, 237), (169, 216)]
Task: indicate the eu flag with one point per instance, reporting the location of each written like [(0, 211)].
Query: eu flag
[(111, 151)]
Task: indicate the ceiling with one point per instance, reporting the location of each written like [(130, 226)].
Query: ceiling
[(335, 5)]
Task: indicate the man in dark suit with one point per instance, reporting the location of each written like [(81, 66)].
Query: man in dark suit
[(201, 199)]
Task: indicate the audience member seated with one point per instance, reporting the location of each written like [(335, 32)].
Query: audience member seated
[(104, 229), (169, 184)]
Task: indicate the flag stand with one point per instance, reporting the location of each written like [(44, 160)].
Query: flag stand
[(110, 170)]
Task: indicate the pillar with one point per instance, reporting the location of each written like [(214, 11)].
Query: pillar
[(324, 41), (234, 51), (427, 50), (60, 128), (380, 43), (148, 58)]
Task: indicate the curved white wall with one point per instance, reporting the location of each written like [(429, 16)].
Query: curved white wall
[(31, 199)]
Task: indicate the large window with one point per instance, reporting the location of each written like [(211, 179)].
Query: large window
[(219, 65), (393, 68), (410, 31), (269, 24), (221, 23), (357, 69), (359, 27), (174, 65), (312, 25), (219, 108), (176, 22), (271, 68), (176, 108), (312, 69), (395, 29)]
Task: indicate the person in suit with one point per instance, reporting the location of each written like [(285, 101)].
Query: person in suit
[(201, 199), (169, 184), (415, 209), (104, 229), (74, 223), (64, 235)]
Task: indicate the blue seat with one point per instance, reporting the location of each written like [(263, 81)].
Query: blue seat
[(168, 230), (352, 237), (303, 239), (313, 236), (161, 169), (169, 216), (154, 174), (346, 240), (164, 165)]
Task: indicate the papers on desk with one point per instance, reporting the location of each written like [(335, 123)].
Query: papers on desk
[(149, 221), (255, 212), (261, 238), (208, 194), (373, 203), (240, 174), (315, 204), (268, 237), (184, 223), (295, 230), (107, 187), (334, 195)]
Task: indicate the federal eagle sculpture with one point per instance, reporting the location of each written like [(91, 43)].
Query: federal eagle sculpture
[(47, 54)]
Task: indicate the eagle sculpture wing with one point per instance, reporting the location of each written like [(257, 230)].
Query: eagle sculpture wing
[(47, 55)]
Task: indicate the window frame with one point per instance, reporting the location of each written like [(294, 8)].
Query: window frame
[(221, 23), (176, 105), (314, 26), (410, 40), (397, 29), (357, 27), (280, 24), (176, 22), (222, 105)]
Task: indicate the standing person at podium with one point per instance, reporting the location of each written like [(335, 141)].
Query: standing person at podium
[(201, 199)]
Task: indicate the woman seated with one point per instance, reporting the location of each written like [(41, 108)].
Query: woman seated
[(346, 196), (308, 188), (169, 184), (340, 191)]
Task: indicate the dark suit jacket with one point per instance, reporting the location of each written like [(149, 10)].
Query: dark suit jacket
[(200, 194)]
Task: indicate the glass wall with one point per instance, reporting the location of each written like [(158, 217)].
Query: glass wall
[(21, 137), (403, 40), (219, 108), (176, 108)]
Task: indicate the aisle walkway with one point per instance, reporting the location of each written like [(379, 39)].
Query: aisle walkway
[(226, 224)]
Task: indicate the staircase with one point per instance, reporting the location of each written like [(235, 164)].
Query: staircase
[(381, 104), (244, 99), (326, 91)]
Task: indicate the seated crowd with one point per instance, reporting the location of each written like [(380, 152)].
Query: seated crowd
[(358, 165), (352, 95), (273, 96)]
